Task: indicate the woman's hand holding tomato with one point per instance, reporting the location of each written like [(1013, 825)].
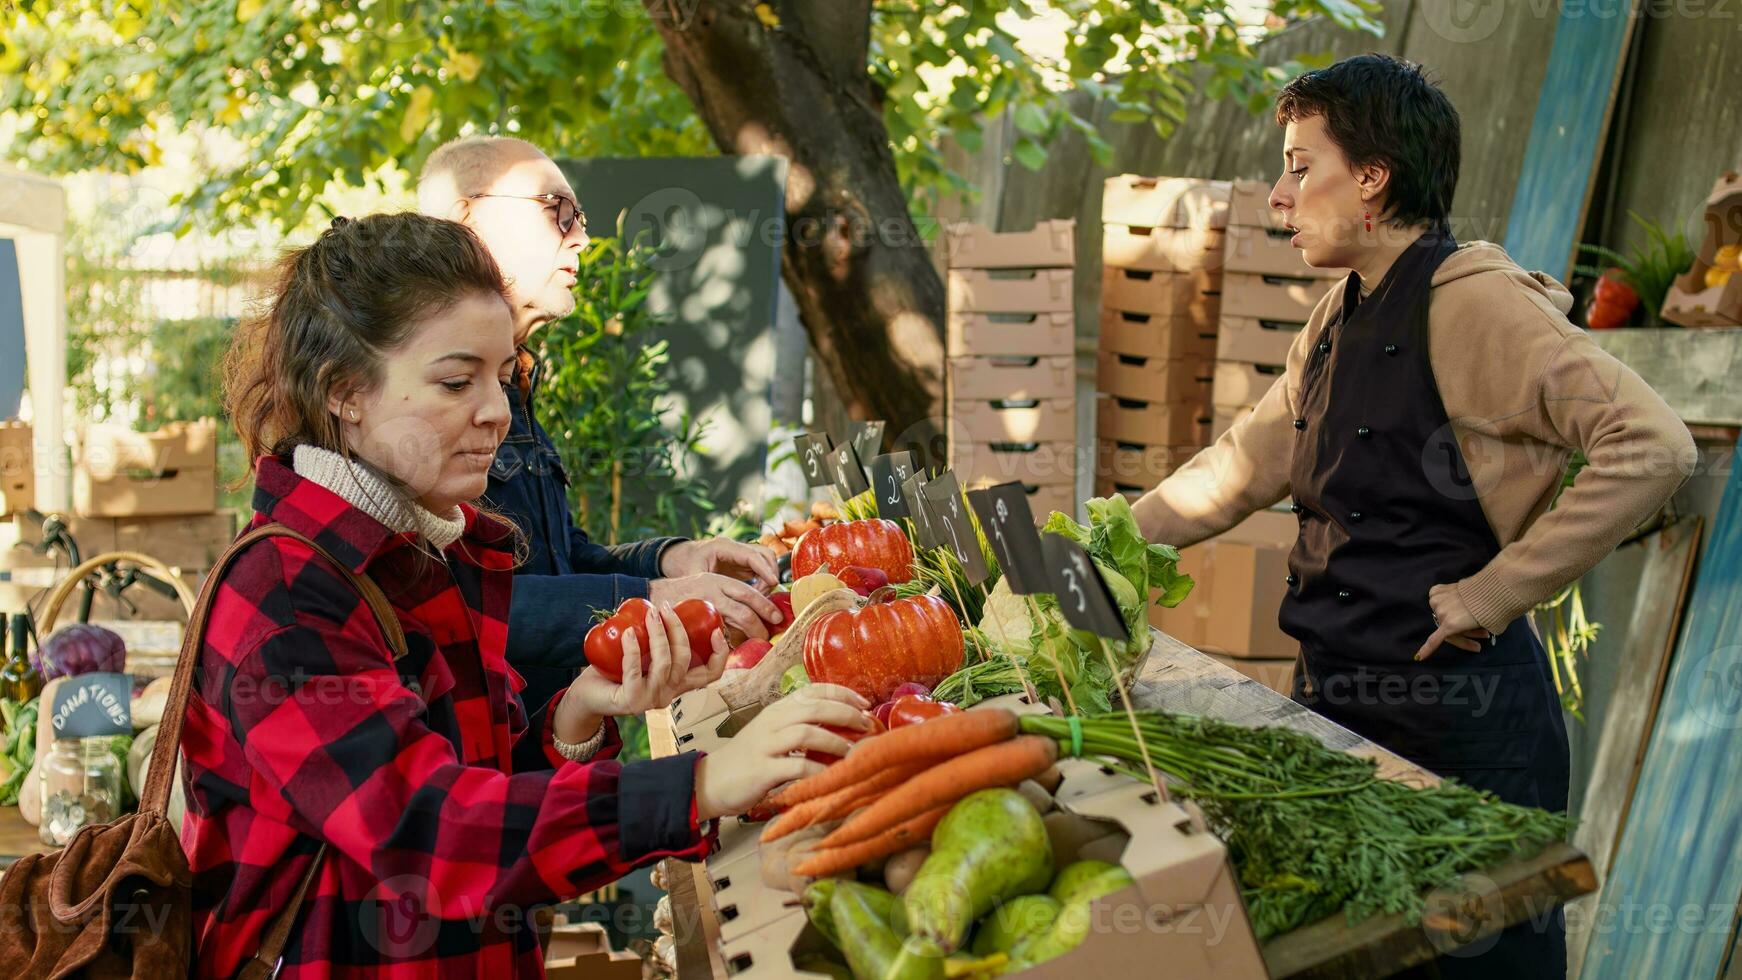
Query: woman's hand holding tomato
[(674, 663), (606, 647)]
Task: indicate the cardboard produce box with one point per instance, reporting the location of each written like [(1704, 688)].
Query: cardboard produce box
[(1268, 252), (1244, 575), (121, 473), (1162, 249), (1010, 334), (1693, 299), (1154, 335), (1241, 385), (1152, 423), (1031, 463), (190, 542), (1164, 202), (17, 469), (582, 951), (1106, 486), (1049, 244), (1137, 464), (1276, 673), (1045, 498), (1014, 421), (1255, 341), (1249, 206), (1224, 418), (1196, 295), (1272, 297), (1012, 377), (1010, 290), (1186, 380)]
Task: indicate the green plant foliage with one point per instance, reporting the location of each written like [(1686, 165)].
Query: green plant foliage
[(1651, 267)]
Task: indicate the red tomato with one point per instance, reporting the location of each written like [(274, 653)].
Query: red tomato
[(874, 543), (915, 708), (850, 734), (604, 642), (1614, 290), (875, 649), (1604, 316), (783, 602)]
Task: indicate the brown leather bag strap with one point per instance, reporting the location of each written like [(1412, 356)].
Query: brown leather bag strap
[(155, 795)]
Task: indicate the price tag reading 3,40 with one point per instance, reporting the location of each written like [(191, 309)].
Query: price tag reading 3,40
[(888, 473), (953, 526), (1009, 526), (813, 457), (1083, 596)]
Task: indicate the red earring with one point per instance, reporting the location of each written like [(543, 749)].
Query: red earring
[(1369, 220)]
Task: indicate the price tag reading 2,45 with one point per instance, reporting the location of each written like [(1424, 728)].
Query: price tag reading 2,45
[(950, 521), (888, 472), (1084, 598), (813, 457), (1009, 526)]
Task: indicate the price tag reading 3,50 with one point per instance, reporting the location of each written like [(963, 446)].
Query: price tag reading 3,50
[(1083, 596), (1009, 526), (888, 473), (953, 526), (813, 457)]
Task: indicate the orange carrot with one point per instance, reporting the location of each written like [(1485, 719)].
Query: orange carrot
[(1002, 764), (943, 737), (834, 860), (839, 803)]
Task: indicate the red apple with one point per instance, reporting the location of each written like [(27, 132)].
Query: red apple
[(864, 580), (748, 654)]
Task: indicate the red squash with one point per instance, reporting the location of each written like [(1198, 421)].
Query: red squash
[(876, 649), (604, 643), (912, 709), (874, 543)]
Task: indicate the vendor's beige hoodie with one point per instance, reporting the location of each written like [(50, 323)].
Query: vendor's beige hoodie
[(1523, 388)]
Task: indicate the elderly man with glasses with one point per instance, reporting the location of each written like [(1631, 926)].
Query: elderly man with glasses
[(517, 201)]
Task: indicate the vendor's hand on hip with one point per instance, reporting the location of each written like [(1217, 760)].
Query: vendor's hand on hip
[(743, 607), (735, 559), (1452, 623)]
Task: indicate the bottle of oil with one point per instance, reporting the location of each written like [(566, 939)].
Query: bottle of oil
[(18, 680)]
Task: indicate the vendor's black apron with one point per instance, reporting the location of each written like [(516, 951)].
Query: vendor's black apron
[(1387, 511)]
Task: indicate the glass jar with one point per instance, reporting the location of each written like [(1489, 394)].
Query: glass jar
[(81, 785)]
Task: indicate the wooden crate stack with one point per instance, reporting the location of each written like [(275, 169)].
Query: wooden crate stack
[(1162, 245), (1268, 293), (1011, 341), (1231, 613)]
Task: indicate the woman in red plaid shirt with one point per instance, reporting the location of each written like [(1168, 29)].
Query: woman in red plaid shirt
[(371, 395)]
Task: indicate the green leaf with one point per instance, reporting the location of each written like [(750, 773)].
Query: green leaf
[(1029, 153), (1031, 119)]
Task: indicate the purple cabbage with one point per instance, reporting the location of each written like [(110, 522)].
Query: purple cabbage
[(80, 649)]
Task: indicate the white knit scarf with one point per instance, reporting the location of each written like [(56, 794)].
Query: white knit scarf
[(364, 488)]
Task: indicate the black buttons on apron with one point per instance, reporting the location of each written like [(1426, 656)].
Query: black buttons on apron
[(1295, 508), (1355, 516), (1391, 350), (1363, 432), (1324, 347), (1345, 595), (1292, 579), (1300, 423)]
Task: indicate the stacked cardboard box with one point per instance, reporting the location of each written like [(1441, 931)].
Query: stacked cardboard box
[(121, 473), (17, 469), (1162, 247), (1240, 578), (189, 544), (1268, 293), (1011, 341)]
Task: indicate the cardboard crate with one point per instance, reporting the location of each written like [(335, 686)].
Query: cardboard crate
[(1010, 290), (1243, 575), (1151, 423), (121, 473), (582, 951), (1049, 244), (1045, 498), (184, 541), (1241, 385), (1164, 202), (1249, 206), (1030, 463), (1276, 673), (17, 469), (1195, 295), (1154, 335), (1255, 341), (1272, 297), (1137, 464), (1013, 421), (1222, 419), (1010, 334), (1162, 249), (1012, 377), (1689, 301), (1186, 380), (1267, 252)]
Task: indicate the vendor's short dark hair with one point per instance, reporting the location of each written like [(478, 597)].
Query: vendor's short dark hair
[(1381, 109)]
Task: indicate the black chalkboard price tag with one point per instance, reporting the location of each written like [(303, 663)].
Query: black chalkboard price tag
[(954, 527), (888, 472), (813, 458), (1083, 596), (849, 475), (866, 437), (1009, 526), (913, 493)]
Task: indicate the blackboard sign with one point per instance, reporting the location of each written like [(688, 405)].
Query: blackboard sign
[(913, 493), (92, 704), (1009, 526), (954, 528), (1083, 596), (866, 437), (888, 473), (848, 474), (813, 458)]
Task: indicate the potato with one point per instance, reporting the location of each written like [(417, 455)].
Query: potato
[(899, 871), (1036, 794)]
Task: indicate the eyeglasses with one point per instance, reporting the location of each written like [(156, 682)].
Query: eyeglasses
[(567, 211)]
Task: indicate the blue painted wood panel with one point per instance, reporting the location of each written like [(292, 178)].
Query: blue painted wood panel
[(1566, 136), (1671, 898)]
